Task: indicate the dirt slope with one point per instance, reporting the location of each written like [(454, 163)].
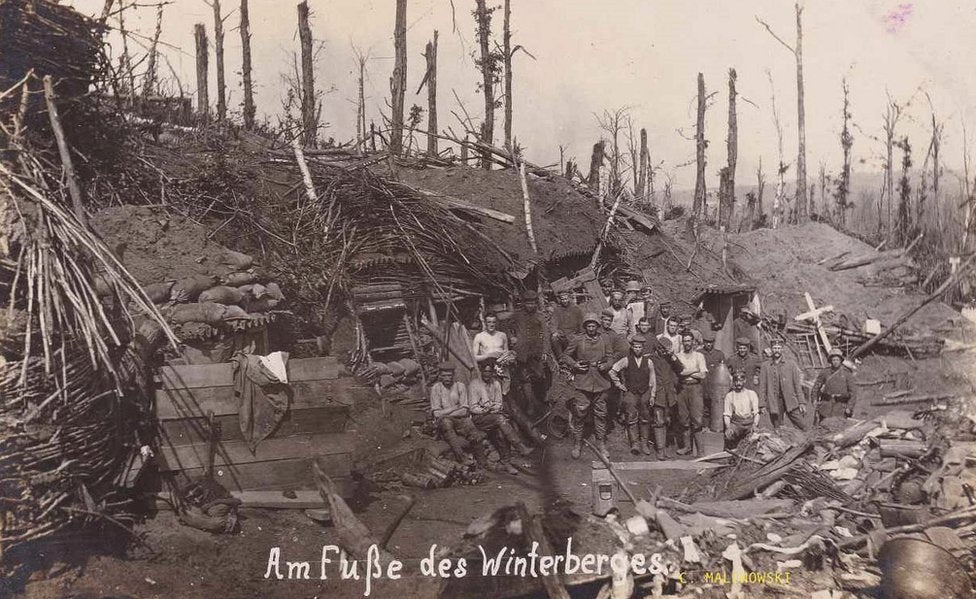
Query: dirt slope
[(784, 263)]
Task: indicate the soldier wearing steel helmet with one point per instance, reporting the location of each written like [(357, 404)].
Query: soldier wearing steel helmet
[(834, 390)]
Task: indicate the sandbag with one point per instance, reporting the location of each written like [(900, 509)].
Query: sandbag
[(159, 293), (190, 288), (235, 313), (236, 279), (209, 313), (274, 291), (222, 294), (410, 367), (396, 369), (236, 260)]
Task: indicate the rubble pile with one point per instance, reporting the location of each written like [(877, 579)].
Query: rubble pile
[(826, 503)]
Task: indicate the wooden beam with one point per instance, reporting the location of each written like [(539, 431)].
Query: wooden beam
[(459, 204)]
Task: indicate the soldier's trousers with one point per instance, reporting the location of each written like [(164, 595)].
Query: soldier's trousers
[(691, 407), (586, 404), (456, 430), (636, 407), (490, 423)]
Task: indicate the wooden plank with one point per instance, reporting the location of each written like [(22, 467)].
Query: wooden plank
[(662, 465), (637, 217), (184, 457), (222, 375), (188, 403), (302, 500), (279, 475), (330, 418), (453, 202)]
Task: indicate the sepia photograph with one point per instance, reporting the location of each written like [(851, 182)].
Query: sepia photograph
[(477, 299)]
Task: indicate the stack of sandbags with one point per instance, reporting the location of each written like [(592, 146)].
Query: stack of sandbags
[(403, 372), (240, 292)]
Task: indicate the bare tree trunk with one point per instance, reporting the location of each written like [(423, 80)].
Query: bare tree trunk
[(732, 148), (641, 191), (203, 101), (309, 114), (464, 150), (361, 107), (431, 55), (507, 48), (846, 142), (761, 188), (699, 203), (596, 161), (149, 83), (125, 61), (483, 17), (801, 158), (398, 82), (219, 55), (249, 109)]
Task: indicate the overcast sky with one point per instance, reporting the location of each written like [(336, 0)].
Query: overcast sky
[(596, 55)]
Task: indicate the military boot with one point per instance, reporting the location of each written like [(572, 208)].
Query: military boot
[(660, 442), (685, 443), (644, 431), (577, 445), (699, 444), (632, 440)]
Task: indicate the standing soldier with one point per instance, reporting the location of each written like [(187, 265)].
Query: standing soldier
[(589, 356), (632, 290), (691, 403), (741, 413), (449, 406), (746, 361), (671, 333), (781, 389), (621, 323), (532, 350), (641, 308), (659, 322), (833, 391), (567, 321), (618, 342), (666, 368), (634, 376), (746, 324)]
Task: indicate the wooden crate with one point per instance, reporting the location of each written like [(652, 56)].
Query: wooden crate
[(311, 431)]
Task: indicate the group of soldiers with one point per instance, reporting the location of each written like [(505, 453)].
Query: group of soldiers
[(636, 360)]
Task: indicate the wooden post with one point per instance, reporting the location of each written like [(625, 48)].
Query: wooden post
[(483, 18), (77, 200), (732, 150), (464, 150), (596, 161), (203, 101), (525, 203), (398, 82), (245, 29), (149, 82), (309, 114), (219, 56), (699, 202), (507, 49), (430, 53)]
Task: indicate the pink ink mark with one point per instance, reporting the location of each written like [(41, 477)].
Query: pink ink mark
[(896, 20)]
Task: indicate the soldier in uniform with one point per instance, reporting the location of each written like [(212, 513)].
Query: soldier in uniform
[(834, 391), (589, 356), (746, 361), (666, 368), (532, 342), (781, 389), (634, 376), (567, 321)]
